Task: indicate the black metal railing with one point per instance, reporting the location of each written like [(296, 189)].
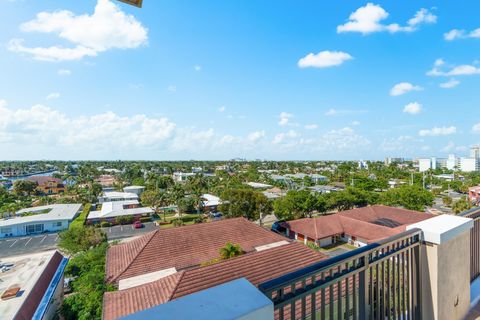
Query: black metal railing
[(474, 214), (378, 281)]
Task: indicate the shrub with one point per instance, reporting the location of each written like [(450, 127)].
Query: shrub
[(105, 224), (145, 219), (124, 219), (177, 222), (199, 220)]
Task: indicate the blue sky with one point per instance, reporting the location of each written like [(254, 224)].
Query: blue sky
[(222, 79)]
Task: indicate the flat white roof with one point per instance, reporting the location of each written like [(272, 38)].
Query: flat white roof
[(115, 209), (133, 187), (57, 212), (25, 273), (258, 185), (211, 200), (119, 195)]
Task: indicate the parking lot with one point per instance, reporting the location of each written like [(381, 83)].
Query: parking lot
[(126, 231), (25, 245)]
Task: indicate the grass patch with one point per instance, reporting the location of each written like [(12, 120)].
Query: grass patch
[(82, 217)]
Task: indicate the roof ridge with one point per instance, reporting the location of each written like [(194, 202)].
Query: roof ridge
[(182, 274), (315, 227), (133, 259)]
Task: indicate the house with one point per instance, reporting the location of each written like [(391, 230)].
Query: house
[(48, 185), (474, 194), (31, 286), (11, 172), (167, 264), (357, 227), (106, 180), (138, 190), (210, 202), (50, 218), (110, 211), (274, 193), (182, 176), (258, 185), (324, 189), (112, 196)]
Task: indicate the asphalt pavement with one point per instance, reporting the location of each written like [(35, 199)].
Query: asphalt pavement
[(28, 244)]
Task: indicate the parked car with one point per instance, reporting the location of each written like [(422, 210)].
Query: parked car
[(215, 215), (138, 225)]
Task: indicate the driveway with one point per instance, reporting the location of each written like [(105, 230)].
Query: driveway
[(336, 252), (127, 231), (27, 244)]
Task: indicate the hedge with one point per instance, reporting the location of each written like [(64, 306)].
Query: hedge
[(82, 217)]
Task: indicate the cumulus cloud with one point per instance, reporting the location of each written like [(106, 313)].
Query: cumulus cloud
[(53, 96), (311, 126), (107, 28), (475, 128), (256, 135), (368, 19), (285, 136), (455, 34), (413, 108), (324, 59), (285, 118), (437, 131), (452, 83), (404, 87), (440, 69), (342, 139)]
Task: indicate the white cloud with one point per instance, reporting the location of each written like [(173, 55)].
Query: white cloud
[(285, 118), (342, 139), (324, 59), (461, 34), (311, 126), (64, 72), (404, 87), (461, 70), (222, 109), (355, 123), (368, 19), (475, 128), (413, 108), (255, 136), (438, 131), (285, 136), (197, 67), (107, 28), (452, 83), (53, 95)]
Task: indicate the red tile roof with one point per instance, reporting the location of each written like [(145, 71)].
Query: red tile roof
[(369, 223), (40, 180), (256, 267), (183, 247)]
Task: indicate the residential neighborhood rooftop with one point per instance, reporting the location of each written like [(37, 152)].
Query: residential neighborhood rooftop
[(183, 247), (52, 212), (24, 284), (119, 208), (369, 223), (256, 267)]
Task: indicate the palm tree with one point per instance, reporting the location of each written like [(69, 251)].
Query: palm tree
[(176, 194), (230, 250)]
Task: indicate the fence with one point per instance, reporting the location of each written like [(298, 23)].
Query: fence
[(377, 281), (474, 242)]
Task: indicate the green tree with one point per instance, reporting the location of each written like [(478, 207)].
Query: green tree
[(24, 187), (447, 201), (80, 238), (245, 203), (230, 250), (461, 205), (409, 197), (155, 199)]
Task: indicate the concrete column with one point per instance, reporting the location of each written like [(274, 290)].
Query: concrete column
[(444, 267)]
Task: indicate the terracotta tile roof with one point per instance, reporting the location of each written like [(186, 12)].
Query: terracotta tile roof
[(369, 223), (40, 180), (183, 247), (256, 267)]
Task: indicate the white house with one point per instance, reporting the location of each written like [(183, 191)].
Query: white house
[(210, 202), (113, 196), (51, 218), (111, 210), (138, 190)]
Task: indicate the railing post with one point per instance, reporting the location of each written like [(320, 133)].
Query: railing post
[(363, 291)]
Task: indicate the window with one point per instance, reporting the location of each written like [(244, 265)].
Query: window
[(57, 224), (34, 228), (6, 230)]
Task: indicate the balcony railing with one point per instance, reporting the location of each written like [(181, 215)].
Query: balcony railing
[(474, 242), (377, 281)]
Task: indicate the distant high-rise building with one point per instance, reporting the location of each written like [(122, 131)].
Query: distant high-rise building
[(475, 152)]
